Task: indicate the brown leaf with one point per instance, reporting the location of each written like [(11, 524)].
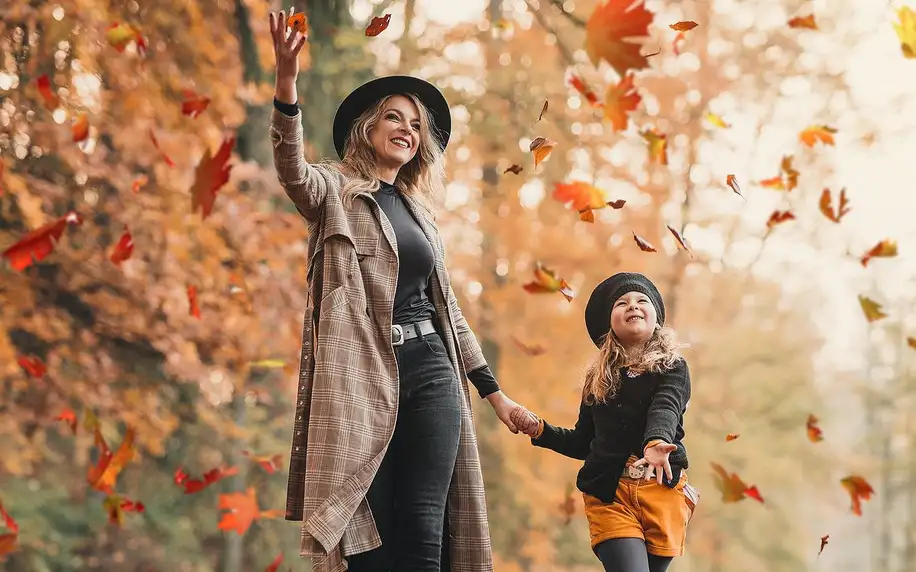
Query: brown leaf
[(378, 25), (532, 350), (540, 148), (825, 204), (731, 437), (643, 244), (514, 169), (911, 342), (779, 217), (814, 432), (803, 22), (732, 182), (871, 309), (683, 26), (824, 540), (681, 241), (543, 110)]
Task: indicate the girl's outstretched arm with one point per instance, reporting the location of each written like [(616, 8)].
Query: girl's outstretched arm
[(668, 404), (575, 443)]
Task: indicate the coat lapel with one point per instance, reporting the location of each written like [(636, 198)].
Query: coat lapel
[(382, 218)]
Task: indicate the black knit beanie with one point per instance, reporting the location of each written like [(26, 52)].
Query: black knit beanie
[(601, 302)]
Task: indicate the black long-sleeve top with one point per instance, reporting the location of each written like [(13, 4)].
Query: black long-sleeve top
[(417, 262), (648, 407)]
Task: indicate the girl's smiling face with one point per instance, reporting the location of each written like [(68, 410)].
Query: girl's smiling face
[(633, 319)]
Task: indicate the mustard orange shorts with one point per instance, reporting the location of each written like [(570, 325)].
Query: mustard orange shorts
[(643, 509)]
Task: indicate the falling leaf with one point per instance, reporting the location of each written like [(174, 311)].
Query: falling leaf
[(532, 350), (731, 486), (123, 249), (825, 204), (116, 505), (643, 244), (786, 180), (543, 110), (540, 148), (271, 463), (678, 43), (166, 158), (38, 244), (104, 474), (139, 183), (779, 217), (50, 98), (732, 182), (8, 540), (611, 31), (546, 281), (378, 25), (193, 308), (871, 309), (194, 104), (568, 506), (584, 197), (803, 22), (80, 128), (242, 509), (683, 26), (268, 363), (681, 241), (211, 174), (716, 121), (32, 366), (911, 342), (275, 565), (68, 416), (620, 100), (824, 540), (731, 437), (119, 35), (579, 85), (859, 490), (884, 249), (298, 22), (814, 432), (514, 169), (192, 486), (658, 146), (814, 133), (906, 31)]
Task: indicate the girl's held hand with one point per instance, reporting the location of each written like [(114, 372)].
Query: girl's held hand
[(656, 457), (287, 45), (526, 421)]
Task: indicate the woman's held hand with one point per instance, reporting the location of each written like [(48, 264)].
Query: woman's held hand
[(288, 44)]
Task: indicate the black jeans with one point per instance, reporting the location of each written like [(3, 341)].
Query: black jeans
[(408, 495)]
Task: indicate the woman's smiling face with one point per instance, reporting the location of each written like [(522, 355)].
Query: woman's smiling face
[(396, 136), (633, 318)]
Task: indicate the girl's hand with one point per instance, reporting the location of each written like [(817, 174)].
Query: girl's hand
[(657, 459), (287, 45)]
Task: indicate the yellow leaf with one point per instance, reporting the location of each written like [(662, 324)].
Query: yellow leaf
[(906, 31), (871, 309), (717, 121)]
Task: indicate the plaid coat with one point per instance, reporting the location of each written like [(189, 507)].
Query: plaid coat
[(347, 399)]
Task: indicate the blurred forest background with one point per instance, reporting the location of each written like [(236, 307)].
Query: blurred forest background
[(186, 347)]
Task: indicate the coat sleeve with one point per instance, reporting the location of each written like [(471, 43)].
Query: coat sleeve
[(307, 185), (668, 404), (575, 443)]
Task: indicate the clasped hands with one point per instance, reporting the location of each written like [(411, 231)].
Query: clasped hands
[(514, 416)]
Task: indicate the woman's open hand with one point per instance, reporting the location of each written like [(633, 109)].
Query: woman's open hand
[(287, 45)]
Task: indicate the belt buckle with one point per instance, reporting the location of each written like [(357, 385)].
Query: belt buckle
[(636, 472), (397, 335)]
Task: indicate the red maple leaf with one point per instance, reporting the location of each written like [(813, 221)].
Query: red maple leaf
[(38, 244), (242, 509), (212, 173), (610, 31)]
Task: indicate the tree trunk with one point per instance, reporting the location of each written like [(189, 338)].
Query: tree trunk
[(252, 139)]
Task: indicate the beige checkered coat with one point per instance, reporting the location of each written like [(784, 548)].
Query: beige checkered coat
[(348, 381)]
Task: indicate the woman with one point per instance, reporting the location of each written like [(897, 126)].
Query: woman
[(383, 447)]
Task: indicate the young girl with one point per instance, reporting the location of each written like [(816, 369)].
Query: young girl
[(629, 432)]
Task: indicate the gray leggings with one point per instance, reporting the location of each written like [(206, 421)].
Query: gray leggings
[(629, 555)]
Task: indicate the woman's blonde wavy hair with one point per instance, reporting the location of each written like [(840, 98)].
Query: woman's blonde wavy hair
[(602, 379), (421, 178)]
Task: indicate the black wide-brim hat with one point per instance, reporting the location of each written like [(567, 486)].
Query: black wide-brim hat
[(364, 96), (601, 302)]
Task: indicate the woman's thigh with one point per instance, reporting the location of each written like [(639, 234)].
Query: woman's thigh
[(623, 555)]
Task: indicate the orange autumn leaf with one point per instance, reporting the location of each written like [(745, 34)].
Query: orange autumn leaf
[(612, 32), (546, 281), (813, 134), (732, 183), (270, 463), (731, 437), (166, 158), (825, 204), (275, 565), (104, 474), (884, 249), (683, 26), (38, 244), (298, 22), (123, 249), (859, 490), (139, 183), (116, 505), (779, 217), (192, 486), (786, 180), (32, 366), (211, 174), (193, 308), (80, 128), (120, 35), (814, 432), (540, 148), (643, 244), (69, 417), (568, 506), (678, 42), (824, 540), (579, 85), (620, 100), (194, 104), (242, 509), (681, 241), (658, 146), (584, 198), (871, 309), (378, 25), (731, 486), (532, 350), (48, 96), (803, 22), (514, 169)]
